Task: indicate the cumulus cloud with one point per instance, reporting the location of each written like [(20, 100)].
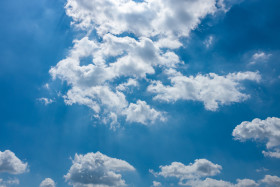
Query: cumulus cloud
[(198, 173), (47, 182), (266, 131), (97, 170), (209, 182), (134, 40), (91, 83), (271, 180), (142, 113), (211, 89), (126, 85), (11, 164), (200, 168), (147, 18)]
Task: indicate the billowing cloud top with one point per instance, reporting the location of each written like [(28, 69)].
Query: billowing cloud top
[(147, 18), (198, 173), (267, 131), (97, 169), (200, 168), (47, 182), (9, 163), (128, 40)]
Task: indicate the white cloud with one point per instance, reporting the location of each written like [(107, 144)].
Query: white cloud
[(271, 180), (259, 57), (91, 83), (46, 101), (209, 182), (200, 168), (211, 89), (267, 131), (197, 175), (47, 182), (11, 164), (97, 170), (142, 113), (148, 18), (126, 85), (157, 27)]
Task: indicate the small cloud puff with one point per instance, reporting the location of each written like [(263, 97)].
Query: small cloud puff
[(11, 164), (97, 169), (47, 182)]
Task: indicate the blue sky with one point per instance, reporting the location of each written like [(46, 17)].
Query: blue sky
[(65, 90)]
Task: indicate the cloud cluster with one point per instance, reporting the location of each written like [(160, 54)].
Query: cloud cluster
[(198, 173), (97, 169), (147, 18), (11, 164), (47, 182), (200, 168), (92, 83), (211, 89), (267, 131), (127, 40)]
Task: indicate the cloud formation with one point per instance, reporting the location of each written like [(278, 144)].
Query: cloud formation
[(211, 89), (11, 164), (97, 170), (126, 42), (197, 175), (200, 168), (148, 18), (47, 182), (266, 131)]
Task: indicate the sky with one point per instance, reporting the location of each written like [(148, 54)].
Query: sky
[(139, 93)]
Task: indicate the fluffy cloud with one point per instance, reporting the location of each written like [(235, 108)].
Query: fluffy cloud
[(197, 175), (126, 85), (47, 182), (96, 169), (200, 168), (211, 89), (9, 163), (209, 182), (142, 113), (101, 71), (91, 83), (271, 180), (148, 18), (267, 131)]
